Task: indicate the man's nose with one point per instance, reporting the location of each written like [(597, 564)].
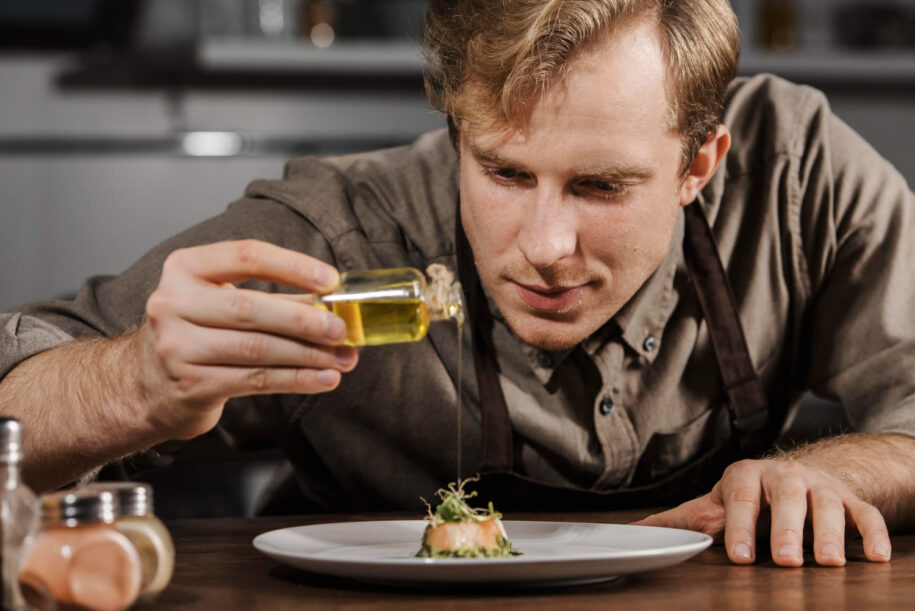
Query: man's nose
[(548, 233)]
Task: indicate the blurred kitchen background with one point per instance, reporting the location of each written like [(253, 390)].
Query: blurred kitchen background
[(125, 121)]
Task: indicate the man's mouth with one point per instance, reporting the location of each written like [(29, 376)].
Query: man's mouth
[(550, 298)]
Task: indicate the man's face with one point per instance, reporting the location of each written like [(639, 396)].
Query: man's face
[(568, 217)]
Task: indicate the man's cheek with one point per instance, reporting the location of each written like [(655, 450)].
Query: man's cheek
[(490, 225)]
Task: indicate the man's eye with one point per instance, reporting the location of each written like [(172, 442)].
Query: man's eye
[(502, 173), (602, 188)]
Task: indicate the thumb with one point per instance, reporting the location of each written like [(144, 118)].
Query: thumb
[(655, 519), (700, 514), (671, 518)]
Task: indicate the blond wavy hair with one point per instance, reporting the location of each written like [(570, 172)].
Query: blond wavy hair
[(489, 59)]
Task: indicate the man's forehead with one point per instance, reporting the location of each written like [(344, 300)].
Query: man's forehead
[(614, 89)]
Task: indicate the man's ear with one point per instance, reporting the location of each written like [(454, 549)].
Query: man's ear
[(703, 167)]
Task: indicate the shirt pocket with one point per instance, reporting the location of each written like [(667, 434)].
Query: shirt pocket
[(667, 452)]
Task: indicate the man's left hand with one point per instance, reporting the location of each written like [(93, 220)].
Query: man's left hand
[(795, 494)]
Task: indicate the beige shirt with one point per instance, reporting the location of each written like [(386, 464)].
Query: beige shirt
[(816, 232)]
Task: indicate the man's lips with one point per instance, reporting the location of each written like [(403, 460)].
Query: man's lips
[(552, 299)]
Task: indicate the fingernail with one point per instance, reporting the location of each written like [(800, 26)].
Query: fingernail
[(788, 551), (328, 377), (831, 549), (326, 277), (882, 550), (334, 328), (742, 550), (343, 357)]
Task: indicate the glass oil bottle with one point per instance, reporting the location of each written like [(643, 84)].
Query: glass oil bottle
[(391, 306), (19, 514)]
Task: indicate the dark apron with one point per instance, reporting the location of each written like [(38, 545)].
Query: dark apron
[(743, 395)]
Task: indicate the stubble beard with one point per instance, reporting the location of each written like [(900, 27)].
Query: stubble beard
[(528, 323)]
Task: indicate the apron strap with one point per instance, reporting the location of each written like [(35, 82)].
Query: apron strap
[(746, 397), (497, 439)]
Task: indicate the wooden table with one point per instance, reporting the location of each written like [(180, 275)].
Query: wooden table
[(218, 569)]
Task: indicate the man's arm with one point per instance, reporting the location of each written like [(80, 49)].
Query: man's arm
[(81, 409), (202, 342), (862, 482)]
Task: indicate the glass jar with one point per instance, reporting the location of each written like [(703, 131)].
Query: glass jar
[(79, 556), (18, 514), (148, 534), (390, 306)]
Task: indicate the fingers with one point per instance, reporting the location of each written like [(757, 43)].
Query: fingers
[(872, 526), (789, 492), (827, 512), (243, 381), (788, 499), (232, 262), (741, 496), (207, 346), (287, 315)]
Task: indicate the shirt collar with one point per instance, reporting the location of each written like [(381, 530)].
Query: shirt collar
[(642, 319)]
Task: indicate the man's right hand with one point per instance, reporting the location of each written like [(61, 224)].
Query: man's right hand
[(205, 340)]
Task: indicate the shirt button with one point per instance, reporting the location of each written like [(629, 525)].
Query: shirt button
[(650, 343), (544, 359), (606, 406)]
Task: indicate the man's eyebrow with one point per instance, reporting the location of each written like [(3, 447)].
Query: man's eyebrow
[(620, 170), (617, 171), (490, 156)]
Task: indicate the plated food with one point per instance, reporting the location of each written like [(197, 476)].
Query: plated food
[(457, 530)]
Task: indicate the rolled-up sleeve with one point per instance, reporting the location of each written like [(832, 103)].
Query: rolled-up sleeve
[(23, 336)]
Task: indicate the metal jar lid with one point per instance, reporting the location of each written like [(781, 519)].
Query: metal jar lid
[(79, 506), (136, 499), (10, 440)]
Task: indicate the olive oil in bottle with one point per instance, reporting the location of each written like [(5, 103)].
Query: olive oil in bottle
[(391, 306)]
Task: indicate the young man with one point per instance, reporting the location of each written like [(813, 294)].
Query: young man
[(596, 146)]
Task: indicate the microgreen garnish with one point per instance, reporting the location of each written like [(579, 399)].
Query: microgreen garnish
[(454, 508)]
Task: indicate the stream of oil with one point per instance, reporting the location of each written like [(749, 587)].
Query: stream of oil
[(459, 323)]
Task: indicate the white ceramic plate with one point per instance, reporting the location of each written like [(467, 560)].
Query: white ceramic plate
[(554, 553)]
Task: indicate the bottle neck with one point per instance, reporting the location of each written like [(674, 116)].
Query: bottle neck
[(9, 476), (445, 303)]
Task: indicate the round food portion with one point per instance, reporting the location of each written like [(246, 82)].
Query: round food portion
[(465, 536)]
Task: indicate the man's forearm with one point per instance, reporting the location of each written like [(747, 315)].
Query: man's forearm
[(880, 468), (81, 406)]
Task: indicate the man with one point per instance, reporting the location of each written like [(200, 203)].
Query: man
[(589, 146)]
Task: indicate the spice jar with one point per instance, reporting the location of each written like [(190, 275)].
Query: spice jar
[(390, 306), (147, 533), (79, 556)]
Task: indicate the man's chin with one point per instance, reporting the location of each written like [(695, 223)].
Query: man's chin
[(550, 335), (551, 344)]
